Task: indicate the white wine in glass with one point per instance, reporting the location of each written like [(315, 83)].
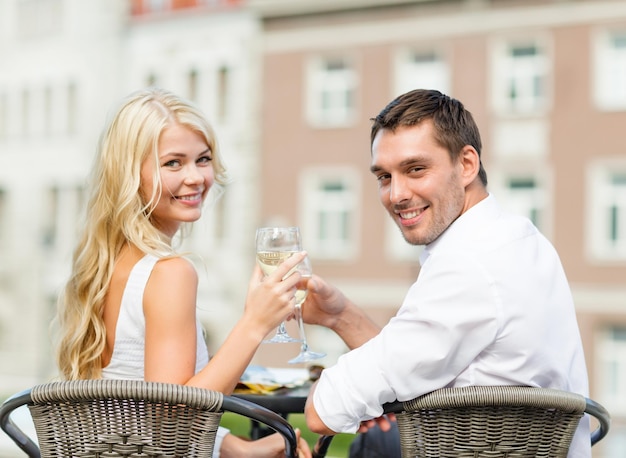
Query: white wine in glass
[(273, 246)]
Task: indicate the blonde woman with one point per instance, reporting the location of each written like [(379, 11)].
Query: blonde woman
[(128, 310)]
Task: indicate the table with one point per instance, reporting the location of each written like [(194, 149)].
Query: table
[(284, 401)]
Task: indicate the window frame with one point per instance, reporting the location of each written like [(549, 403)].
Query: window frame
[(610, 361), (313, 202), (602, 195), (608, 96), (319, 79), (504, 70), (405, 65), (523, 203)]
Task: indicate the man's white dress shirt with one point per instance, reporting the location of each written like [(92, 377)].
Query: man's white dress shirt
[(491, 306)]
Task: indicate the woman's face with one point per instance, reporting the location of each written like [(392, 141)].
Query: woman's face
[(186, 172)]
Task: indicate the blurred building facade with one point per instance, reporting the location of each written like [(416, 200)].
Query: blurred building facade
[(58, 71), (290, 86), (64, 67), (546, 82)]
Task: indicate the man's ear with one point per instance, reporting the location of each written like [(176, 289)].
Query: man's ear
[(470, 164)]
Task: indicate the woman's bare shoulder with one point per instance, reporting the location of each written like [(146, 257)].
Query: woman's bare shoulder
[(172, 278), (176, 265)]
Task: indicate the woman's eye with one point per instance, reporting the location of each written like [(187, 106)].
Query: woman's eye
[(205, 160), (172, 163)]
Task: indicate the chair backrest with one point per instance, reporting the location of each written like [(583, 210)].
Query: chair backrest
[(127, 418), (502, 421)]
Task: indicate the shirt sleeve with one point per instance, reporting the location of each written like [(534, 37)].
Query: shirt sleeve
[(219, 437), (449, 316)]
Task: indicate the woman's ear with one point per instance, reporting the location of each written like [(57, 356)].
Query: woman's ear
[(470, 164)]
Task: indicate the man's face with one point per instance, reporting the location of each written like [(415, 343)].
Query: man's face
[(419, 185)]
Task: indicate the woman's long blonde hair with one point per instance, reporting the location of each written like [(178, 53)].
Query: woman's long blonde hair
[(116, 214)]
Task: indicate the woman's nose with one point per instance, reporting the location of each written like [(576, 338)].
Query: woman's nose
[(193, 175)]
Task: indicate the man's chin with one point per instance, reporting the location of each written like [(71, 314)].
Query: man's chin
[(412, 237)]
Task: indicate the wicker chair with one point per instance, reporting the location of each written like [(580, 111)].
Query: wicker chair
[(494, 421), (490, 421), (124, 418)]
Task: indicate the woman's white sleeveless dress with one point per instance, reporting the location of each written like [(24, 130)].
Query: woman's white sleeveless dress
[(127, 361)]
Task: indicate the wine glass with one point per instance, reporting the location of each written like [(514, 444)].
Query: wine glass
[(305, 354), (273, 246)]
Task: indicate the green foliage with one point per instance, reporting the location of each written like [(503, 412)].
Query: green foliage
[(339, 446)]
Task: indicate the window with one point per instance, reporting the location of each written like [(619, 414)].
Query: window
[(192, 83), (223, 91), (520, 76), (6, 264), (607, 221), (4, 220), (47, 110), (39, 18), (72, 109), (62, 210), (331, 92), (3, 114), (329, 212), (151, 80), (397, 248), (26, 101), (524, 197), (611, 357), (421, 69), (609, 70), (523, 188)]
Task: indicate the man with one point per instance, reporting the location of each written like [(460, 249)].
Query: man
[(491, 304)]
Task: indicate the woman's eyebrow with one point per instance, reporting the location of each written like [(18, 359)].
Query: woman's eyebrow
[(179, 154)]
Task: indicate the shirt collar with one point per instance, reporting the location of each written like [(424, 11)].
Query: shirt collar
[(464, 225)]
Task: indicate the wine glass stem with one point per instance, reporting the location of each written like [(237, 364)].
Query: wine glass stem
[(304, 346), (281, 329)]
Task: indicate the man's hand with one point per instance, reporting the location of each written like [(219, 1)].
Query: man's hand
[(384, 423), (324, 303), (326, 306)]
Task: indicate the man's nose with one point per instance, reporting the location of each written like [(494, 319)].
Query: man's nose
[(398, 190)]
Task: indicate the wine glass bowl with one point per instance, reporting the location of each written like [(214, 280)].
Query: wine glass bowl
[(273, 246)]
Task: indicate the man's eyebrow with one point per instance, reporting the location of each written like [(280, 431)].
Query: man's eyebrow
[(410, 161), (375, 168)]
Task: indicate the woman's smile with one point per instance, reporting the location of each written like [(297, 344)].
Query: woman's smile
[(194, 199)]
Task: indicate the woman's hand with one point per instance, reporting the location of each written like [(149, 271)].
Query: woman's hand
[(270, 300)]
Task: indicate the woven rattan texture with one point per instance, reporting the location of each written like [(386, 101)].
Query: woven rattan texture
[(115, 418), (490, 422)]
